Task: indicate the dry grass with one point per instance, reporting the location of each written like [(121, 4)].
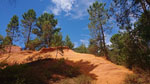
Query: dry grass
[(82, 79)]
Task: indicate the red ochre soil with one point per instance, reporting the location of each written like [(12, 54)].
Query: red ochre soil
[(102, 70)]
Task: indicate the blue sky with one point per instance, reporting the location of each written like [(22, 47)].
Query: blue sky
[(71, 14)]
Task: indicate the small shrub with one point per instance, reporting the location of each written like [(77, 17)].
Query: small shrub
[(132, 79), (20, 81), (3, 64), (60, 67), (138, 78), (37, 72), (82, 79)]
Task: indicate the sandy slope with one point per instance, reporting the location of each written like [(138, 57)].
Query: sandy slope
[(105, 71)]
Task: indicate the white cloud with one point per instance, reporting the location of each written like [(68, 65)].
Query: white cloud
[(84, 41), (59, 6), (77, 9), (80, 8), (107, 39)]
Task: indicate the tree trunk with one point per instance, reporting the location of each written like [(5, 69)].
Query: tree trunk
[(100, 40), (104, 44), (28, 38), (143, 7)]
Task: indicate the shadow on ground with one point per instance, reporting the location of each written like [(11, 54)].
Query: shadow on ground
[(44, 71)]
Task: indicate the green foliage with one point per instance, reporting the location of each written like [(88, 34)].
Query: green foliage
[(13, 29), (142, 27), (68, 42), (132, 79), (34, 44), (3, 42), (133, 44), (37, 72), (1, 39), (28, 22), (43, 27), (46, 17), (142, 77), (98, 25), (125, 11), (46, 29), (29, 17), (117, 54), (93, 48), (45, 23), (82, 79), (81, 49), (130, 52), (57, 40), (68, 71), (7, 40), (138, 44), (131, 47)]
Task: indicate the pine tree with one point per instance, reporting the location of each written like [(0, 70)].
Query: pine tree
[(12, 32), (97, 26), (46, 28), (68, 42), (28, 22), (1, 43), (57, 42), (81, 49), (93, 48), (124, 11), (1, 39)]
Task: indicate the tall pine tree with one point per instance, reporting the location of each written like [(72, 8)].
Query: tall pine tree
[(97, 26), (46, 28), (68, 42), (12, 32), (28, 22)]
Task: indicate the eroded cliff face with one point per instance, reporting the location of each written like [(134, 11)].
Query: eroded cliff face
[(105, 71), (14, 49)]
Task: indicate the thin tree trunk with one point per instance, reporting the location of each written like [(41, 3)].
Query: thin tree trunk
[(143, 7), (100, 39), (104, 44), (28, 38)]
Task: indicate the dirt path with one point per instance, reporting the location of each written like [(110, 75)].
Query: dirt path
[(106, 72)]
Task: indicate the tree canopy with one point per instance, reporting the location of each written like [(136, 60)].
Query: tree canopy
[(98, 19), (68, 42), (28, 22), (13, 28)]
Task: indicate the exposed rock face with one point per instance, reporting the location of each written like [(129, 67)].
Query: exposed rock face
[(14, 49)]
